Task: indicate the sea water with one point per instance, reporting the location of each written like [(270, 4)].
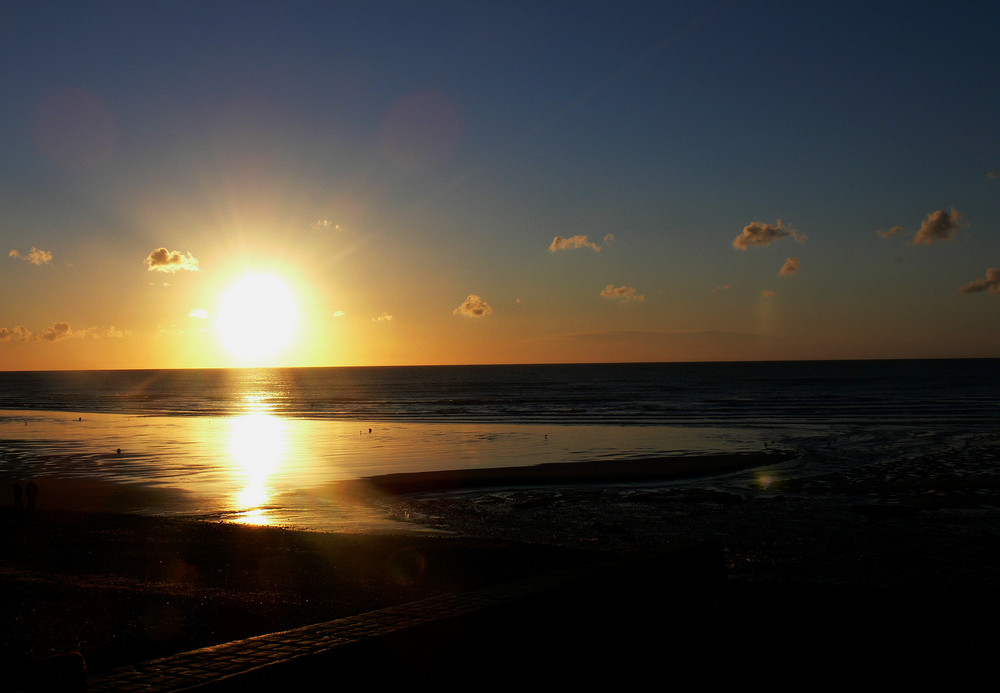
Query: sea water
[(267, 445)]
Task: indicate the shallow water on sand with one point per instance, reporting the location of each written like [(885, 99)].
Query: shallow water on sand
[(266, 469)]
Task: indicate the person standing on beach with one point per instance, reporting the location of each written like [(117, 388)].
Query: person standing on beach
[(32, 492)]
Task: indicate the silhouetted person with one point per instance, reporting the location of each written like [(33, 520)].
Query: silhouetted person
[(31, 491), (17, 495)]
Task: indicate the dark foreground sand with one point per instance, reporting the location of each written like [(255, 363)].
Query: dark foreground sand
[(834, 570)]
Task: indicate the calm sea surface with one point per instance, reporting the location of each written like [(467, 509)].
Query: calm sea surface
[(266, 445)]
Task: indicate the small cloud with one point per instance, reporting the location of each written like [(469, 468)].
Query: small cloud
[(609, 239), (625, 293), (19, 333), (114, 332), (36, 257), (989, 285), (894, 231), (938, 226), (384, 317), (761, 233), (339, 314), (720, 288), (326, 224), (993, 175), (767, 293), (59, 330), (791, 266), (473, 307), (560, 243), (163, 260), (199, 313)]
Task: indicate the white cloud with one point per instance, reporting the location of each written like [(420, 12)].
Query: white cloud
[(473, 307), (199, 313), (163, 260)]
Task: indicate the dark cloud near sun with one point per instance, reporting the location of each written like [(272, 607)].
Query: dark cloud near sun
[(991, 284), (163, 260), (938, 226), (473, 307), (762, 233), (36, 256)]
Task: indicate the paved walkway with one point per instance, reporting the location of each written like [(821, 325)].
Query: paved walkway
[(504, 628)]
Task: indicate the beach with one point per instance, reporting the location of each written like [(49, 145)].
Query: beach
[(848, 562)]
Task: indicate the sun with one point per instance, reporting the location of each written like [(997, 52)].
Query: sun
[(258, 318)]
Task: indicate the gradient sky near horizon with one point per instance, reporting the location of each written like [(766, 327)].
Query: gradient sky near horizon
[(497, 182)]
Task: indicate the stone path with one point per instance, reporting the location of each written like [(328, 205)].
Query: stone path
[(500, 629)]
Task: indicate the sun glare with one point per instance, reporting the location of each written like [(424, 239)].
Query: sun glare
[(258, 318)]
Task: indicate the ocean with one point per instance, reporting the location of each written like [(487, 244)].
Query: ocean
[(266, 446)]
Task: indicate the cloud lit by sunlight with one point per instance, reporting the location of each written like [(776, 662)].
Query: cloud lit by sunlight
[(473, 307), (163, 260), (35, 256), (762, 233), (560, 243), (938, 226)]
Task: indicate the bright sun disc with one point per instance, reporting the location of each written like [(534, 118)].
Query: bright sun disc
[(258, 317)]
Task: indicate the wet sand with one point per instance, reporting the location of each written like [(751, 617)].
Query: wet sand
[(894, 564)]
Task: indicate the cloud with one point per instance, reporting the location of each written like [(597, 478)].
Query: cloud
[(791, 266), (768, 293), (721, 287), (384, 317), (339, 314), (761, 233), (163, 260), (894, 231), (59, 330), (473, 307), (20, 333), (199, 313), (327, 225), (625, 293), (560, 243), (991, 284), (938, 226), (36, 256), (609, 239)]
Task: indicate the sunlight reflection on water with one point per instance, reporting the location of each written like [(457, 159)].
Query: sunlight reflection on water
[(265, 469)]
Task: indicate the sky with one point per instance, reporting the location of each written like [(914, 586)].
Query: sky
[(218, 184)]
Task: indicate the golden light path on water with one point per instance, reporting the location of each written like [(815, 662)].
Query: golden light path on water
[(258, 467), (258, 446)]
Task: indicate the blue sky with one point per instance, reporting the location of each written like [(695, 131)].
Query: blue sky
[(394, 162)]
